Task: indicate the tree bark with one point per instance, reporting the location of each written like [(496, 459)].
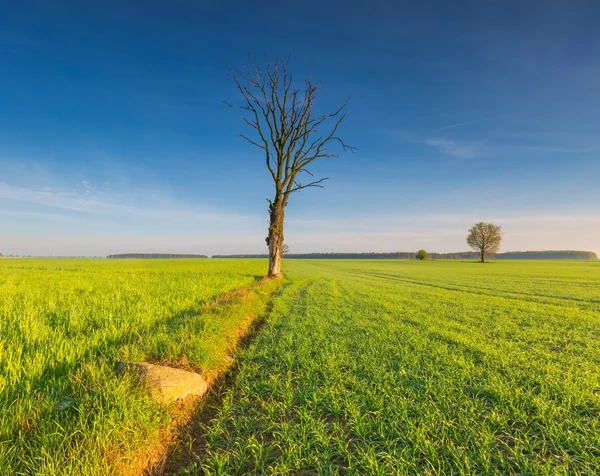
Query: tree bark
[(482, 255), (275, 238)]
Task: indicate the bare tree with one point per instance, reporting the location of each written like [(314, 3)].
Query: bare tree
[(285, 127), (285, 250), (485, 238)]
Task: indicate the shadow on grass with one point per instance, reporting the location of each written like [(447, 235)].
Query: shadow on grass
[(56, 379), (191, 441)]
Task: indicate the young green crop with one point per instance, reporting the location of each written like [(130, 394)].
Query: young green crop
[(65, 324), (397, 367), (377, 367)]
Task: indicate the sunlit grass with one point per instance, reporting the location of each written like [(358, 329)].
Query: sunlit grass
[(363, 367), (66, 323), (388, 367)]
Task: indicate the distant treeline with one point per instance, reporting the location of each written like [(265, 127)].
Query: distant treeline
[(153, 256), (569, 254), (330, 256), (552, 254), (396, 255)]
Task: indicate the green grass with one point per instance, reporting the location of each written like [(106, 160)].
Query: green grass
[(395, 367), (66, 323), (363, 367)]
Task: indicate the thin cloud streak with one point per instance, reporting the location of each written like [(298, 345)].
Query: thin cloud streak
[(461, 150), (473, 149), (451, 126), (117, 204)]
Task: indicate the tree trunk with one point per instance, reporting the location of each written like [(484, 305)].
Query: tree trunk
[(482, 256), (275, 238)]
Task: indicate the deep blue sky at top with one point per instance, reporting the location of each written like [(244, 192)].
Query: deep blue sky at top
[(114, 137)]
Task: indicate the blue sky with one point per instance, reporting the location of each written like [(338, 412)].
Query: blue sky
[(114, 137)]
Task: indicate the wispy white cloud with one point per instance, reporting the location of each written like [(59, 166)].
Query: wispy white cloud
[(464, 149), (459, 149), (83, 212), (151, 218), (451, 126), (139, 204)]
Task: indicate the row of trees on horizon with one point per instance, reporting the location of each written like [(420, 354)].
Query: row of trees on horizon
[(463, 255)]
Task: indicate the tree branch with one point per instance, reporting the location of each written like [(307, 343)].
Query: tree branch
[(316, 183), (282, 117)]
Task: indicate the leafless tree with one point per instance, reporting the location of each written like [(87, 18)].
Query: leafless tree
[(285, 250), (288, 131), (485, 238)]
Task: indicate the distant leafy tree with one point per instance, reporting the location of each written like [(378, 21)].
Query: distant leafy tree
[(422, 255), (485, 238)]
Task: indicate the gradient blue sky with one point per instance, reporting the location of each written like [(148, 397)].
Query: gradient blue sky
[(114, 138)]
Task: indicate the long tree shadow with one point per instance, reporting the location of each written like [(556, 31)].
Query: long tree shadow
[(190, 443)]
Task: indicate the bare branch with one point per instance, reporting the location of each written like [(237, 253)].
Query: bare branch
[(316, 183), (252, 142), (286, 127)]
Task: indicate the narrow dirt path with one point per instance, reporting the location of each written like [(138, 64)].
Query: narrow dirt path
[(191, 441), (181, 440)]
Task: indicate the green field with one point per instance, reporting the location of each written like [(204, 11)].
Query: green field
[(376, 367), (387, 367), (66, 323)]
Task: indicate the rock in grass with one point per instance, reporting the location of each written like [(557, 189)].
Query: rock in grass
[(166, 384)]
